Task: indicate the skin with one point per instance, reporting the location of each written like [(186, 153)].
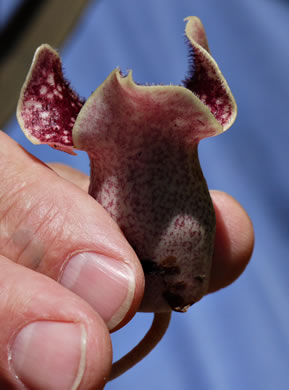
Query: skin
[(22, 280)]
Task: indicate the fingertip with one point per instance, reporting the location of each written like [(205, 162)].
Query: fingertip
[(234, 240)]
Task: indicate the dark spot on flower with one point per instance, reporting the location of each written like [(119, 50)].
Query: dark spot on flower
[(175, 301), (167, 266), (200, 278)]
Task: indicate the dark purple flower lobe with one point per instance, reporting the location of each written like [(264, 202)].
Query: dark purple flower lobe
[(48, 107)]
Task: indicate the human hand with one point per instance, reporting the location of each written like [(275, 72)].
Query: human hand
[(52, 316)]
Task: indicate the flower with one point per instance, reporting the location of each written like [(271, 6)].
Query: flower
[(142, 144)]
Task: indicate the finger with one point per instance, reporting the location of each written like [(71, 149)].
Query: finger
[(234, 241), (49, 339), (50, 225)]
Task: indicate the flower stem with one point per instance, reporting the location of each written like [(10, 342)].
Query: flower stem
[(144, 347)]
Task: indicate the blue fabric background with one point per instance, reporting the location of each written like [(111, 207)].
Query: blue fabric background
[(237, 338)]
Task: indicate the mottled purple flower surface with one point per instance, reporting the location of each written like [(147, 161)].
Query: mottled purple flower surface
[(142, 144)]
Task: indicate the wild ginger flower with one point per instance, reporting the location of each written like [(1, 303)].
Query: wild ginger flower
[(142, 143)]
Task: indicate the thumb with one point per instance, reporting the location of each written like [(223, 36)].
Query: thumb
[(48, 339)]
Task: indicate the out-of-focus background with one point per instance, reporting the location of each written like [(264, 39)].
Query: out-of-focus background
[(237, 338)]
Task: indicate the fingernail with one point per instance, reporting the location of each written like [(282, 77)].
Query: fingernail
[(50, 355), (105, 283)]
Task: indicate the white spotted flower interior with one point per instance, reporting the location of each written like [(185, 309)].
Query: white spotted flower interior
[(142, 143)]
